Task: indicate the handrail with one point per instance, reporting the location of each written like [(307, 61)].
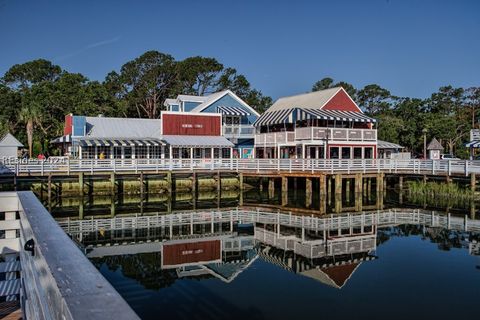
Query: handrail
[(412, 166), (58, 281)]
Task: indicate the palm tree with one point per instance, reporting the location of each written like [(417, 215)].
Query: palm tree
[(30, 116)]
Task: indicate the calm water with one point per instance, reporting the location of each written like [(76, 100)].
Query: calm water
[(235, 269)]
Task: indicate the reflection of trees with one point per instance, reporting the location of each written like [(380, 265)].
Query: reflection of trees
[(143, 267), (446, 239)]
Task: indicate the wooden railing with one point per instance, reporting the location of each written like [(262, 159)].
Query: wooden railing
[(414, 166)]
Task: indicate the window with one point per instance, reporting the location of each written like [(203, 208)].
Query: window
[(208, 153), (176, 153), (88, 152), (155, 152), (216, 153), (345, 152), (117, 152), (127, 152), (334, 153), (103, 150), (185, 153), (225, 152), (197, 153), (368, 153), (141, 152), (357, 153)]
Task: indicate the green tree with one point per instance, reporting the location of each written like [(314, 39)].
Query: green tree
[(322, 84), (374, 99)]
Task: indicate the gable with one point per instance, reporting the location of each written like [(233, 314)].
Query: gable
[(341, 101), (10, 141), (228, 100)]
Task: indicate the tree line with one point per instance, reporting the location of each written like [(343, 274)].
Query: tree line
[(447, 115), (36, 95)]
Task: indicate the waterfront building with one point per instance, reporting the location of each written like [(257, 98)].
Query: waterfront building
[(325, 124), (9, 146), (434, 149), (178, 136), (390, 150), (237, 117)]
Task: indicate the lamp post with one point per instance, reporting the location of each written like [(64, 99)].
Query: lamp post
[(424, 131)]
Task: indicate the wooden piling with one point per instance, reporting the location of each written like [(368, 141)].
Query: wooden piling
[(308, 192), (400, 183), (271, 188), (194, 191), (240, 187), (338, 193), (358, 192), (80, 183), (473, 182), (322, 186), (347, 190), (284, 191), (112, 183)]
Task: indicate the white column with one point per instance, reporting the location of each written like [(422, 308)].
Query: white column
[(213, 156), (231, 153), (191, 153), (171, 152), (95, 151)]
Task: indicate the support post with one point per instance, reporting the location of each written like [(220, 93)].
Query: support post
[(112, 183), (194, 190), (473, 182), (271, 188), (358, 192), (323, 194), (308, 192), (284, 190), (80, 184), (338, 193), (240, 187)]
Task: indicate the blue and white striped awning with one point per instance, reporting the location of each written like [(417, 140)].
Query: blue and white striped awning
[(473, 144), (304, 114), (119, 142), (275, 117), (232, 111), (62, 139)]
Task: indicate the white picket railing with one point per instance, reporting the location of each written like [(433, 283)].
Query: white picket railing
[(415, 166)]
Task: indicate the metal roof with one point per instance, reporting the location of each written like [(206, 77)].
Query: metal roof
[(388, 145), (197, 141), (8, 140), (102, 127), (311, 100)]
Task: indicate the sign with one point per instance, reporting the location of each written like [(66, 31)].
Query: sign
[(188, 124), (475, 135)]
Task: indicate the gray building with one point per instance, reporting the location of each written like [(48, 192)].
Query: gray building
[(9, 146)]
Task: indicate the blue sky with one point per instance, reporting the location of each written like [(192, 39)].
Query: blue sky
[(283, 47)]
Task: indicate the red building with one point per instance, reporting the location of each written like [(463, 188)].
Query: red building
[(325, 124)]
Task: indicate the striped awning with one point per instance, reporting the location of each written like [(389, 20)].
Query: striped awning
[(120, 142), (232, 111), (473, 144), (275, 117), (304, 114), (62, 139)]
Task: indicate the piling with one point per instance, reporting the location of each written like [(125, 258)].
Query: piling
[(308, 192), (80, 183), (338, 193), (284, 191), (240, 186), (322, 186), (400, 183), (112, 183), (473, 182), (271, 188)]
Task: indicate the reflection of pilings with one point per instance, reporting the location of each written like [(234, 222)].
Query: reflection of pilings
[(472, 209), (400, 183), (284, 191), (308, 192), (80, 183), (112, 183), (194, 190)]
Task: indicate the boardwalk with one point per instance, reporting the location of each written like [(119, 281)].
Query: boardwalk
[(413, 166)]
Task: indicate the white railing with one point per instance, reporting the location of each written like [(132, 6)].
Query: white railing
[(316, 133), (414, 166), (391, 217), (238, 131)]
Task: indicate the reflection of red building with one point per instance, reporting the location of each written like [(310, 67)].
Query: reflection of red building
[(191, 253)]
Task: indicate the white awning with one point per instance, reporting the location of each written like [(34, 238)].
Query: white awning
[(232, 111), (198, 141), (62, 139), (387, 145)]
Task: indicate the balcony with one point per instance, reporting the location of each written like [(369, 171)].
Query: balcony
[(315, 134), (238, 131)]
